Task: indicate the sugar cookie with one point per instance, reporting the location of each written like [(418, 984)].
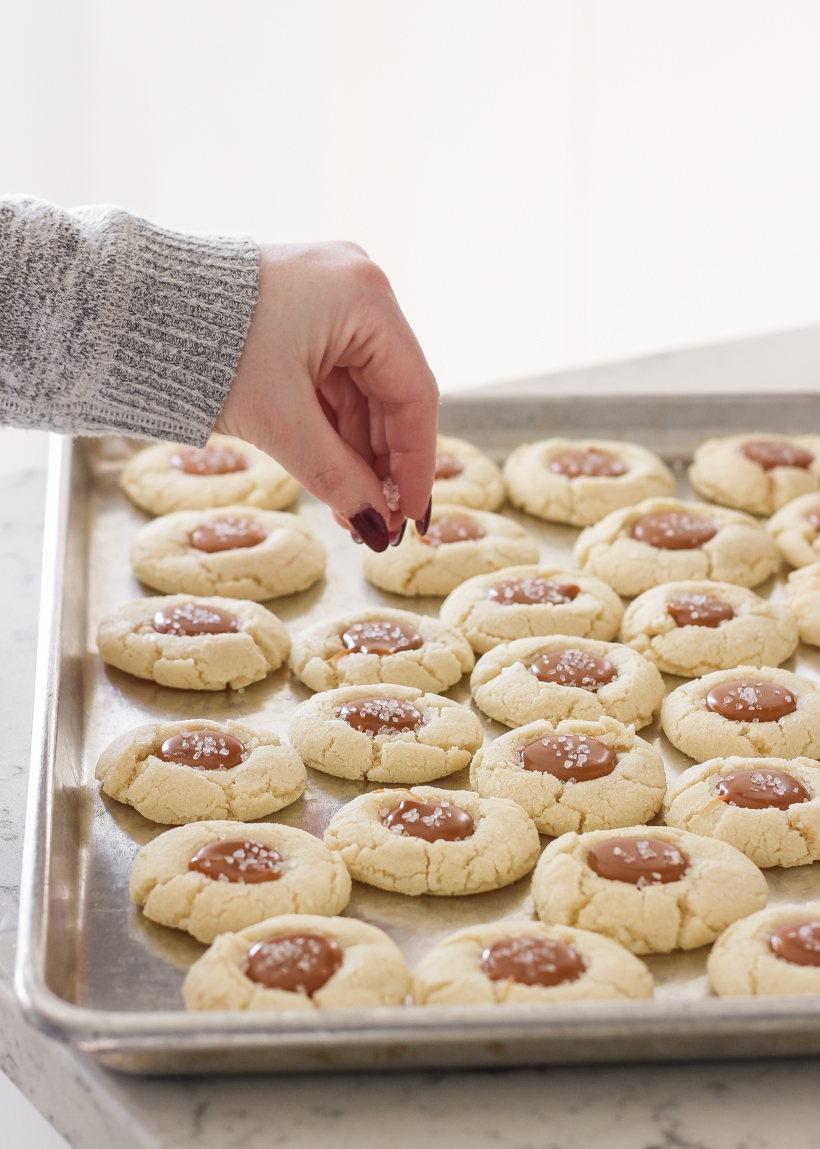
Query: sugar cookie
[(178, 772), (384, 733), (236, 552), (213, 877), (756, 473), (564, 677), (803, 600), (530, 601), (299, 961), (378, 644), (578, 481), (768, 808), (666, 540), (460, 543), (574, 775), (465, 477), (194, 643), (775, 951), (429, 841), (652, 888), (795, 529), (756, 712), (694, 628), (172, 477), (520, 961)]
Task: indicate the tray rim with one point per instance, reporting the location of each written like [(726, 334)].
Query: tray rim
[(100, 1032)]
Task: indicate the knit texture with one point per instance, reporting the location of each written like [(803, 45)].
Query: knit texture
[(110, 323)]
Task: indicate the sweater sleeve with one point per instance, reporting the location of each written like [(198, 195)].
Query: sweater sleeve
[(110, 323)]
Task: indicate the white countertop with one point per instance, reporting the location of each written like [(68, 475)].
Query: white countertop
[(755, 1105)]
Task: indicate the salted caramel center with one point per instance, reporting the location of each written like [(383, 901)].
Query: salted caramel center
[(529, 591), (745, 700), (380, 715), (238, 860), (448, 466), (191, 618), (299, 963), (432, 821), (699, 610), (573, 667), (204, 750), (797, 942), (379, 636), (453, 530), (771, 453), (673, 531), (532, 961), (569, 757), (208, 460), (641, 861), (227, 535), (592, 462), (761, 789)]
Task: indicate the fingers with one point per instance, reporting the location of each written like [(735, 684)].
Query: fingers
[(396, 374)]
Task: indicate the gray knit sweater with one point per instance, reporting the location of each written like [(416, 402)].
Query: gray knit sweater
[(110, 323)]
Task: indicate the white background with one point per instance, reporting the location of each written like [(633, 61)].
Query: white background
[(546, 183)]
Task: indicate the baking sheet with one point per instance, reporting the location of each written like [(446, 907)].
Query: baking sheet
[(93, 969)]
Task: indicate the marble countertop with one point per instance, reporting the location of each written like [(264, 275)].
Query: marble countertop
[(727, 1105)]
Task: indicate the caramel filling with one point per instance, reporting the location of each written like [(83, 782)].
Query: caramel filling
[(569, 757), (761, 789), (748, 701), (574, 667), (239, 860), (380, 715), (191, 619), (532, 961), (432, 821), (448, 466), (204, 750), (530, 591), (673, 531), (381, 637), (444, 531), (208, 461), (227, 535), (797, 942), (591, 462), (771, 453), (298, 963), (699, 610), (641, 861)]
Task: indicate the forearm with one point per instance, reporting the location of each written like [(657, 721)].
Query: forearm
[(110, 323)]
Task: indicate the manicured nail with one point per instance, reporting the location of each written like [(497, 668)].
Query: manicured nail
[(371, 528), (355, 538), (423, 524), (397, 536)]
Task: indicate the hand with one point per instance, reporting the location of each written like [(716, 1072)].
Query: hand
[(332, 383)]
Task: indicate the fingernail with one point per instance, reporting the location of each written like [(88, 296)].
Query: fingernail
[(397, 536), (355, 538), (423, 524), (369, 526)]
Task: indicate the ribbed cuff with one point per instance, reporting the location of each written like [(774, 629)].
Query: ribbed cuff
[(175, 332)]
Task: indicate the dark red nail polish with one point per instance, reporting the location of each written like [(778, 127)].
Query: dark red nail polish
[(397, 536), (423, 524), (370, 527)]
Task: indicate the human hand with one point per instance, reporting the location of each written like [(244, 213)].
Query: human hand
[(332, 383)]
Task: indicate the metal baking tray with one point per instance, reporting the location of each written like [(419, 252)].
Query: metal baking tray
[(93, 971)]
